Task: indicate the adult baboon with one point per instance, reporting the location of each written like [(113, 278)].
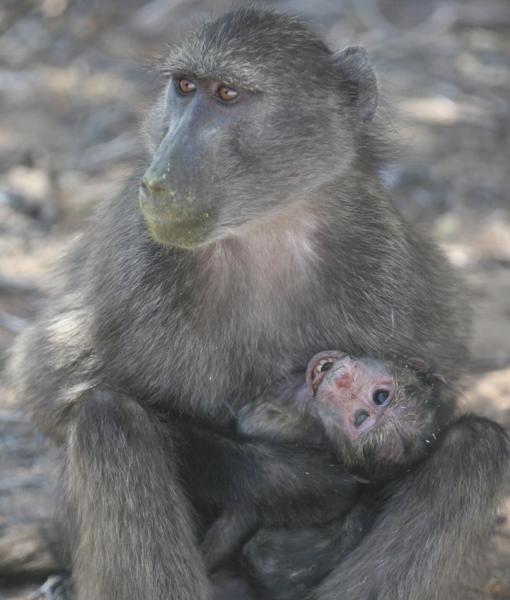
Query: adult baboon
[(259, 236)]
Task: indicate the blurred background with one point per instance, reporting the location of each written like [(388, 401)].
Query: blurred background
[(73, 84)]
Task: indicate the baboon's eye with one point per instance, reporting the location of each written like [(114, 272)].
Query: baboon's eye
[(186, 86), (380, 396), (227, 94)]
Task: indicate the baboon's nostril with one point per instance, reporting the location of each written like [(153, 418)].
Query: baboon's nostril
[(153, 186)]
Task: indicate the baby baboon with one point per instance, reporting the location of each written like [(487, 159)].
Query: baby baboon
[(258, 235), (378, 417)]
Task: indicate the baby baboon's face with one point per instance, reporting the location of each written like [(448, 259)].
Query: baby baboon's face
[(379, 416)]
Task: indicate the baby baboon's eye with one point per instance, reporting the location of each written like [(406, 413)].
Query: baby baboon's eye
[(380, 396), (360, 418)]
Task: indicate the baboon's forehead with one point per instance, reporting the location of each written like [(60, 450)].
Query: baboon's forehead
[(251, 48)]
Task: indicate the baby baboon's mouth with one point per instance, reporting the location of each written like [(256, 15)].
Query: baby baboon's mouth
[(318, 373), (318, 367)]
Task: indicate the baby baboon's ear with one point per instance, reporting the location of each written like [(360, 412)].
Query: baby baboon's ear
[(437, 379), (353, 63), (425, 370)]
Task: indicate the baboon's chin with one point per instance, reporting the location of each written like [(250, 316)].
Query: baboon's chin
[(178, 230), (184, 236)]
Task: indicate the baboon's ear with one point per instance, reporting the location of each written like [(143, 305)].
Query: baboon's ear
[(352, 62)]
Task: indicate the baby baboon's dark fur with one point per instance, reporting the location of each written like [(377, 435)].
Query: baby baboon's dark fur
[(263, 237)]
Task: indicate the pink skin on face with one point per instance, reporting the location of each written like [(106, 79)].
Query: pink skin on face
[(352, 393)]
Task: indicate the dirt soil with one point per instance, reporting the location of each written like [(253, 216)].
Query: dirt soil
[(73, 84)]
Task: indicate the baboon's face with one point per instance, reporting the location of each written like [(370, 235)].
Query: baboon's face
[(246, 126), (381, 417)]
